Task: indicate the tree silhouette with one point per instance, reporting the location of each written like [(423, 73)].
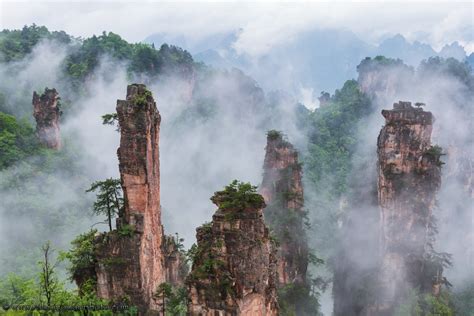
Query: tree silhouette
[(109, 200)]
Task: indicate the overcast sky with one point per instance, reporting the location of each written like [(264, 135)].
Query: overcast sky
[(263, 24)]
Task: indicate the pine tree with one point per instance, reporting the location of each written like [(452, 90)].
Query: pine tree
[(109, 199)]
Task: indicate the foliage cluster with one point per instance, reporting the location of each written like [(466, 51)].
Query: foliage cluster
[(109, 200), (418, 304), (110, 119), (83, 56), (48, 290), (17, 140), (435, 152), (81, 256), (238, 196), (174, 299), (333, 138), (126, 230), (296, 299), (274, 134), (142, 99), (16, 44), (204, 256), (369, 64), (141, 58)]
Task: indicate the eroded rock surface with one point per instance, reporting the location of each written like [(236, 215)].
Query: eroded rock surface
[(130, 259), (283, 192), (382, 78), (234, 267), (46, 113), (409, 177), (176, 268)]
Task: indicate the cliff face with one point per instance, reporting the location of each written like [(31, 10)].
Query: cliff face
[(234, 267), (176, 268), (409, 177), (130, 258), (283, 192), (381, 78), (46, 113)]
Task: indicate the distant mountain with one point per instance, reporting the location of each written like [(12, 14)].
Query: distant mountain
[(194, 46), (317, 60), (453, 50), (411, 53), (314, 61)]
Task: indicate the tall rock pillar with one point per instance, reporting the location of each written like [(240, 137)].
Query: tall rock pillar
[(176, 268), (408, 179), (283, 192), (130, 259), (46, 113), (234, 266)]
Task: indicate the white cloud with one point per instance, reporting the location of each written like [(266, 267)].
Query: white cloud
[(264, 24)]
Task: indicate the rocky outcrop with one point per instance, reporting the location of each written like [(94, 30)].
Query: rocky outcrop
[(176, 268), (130, 259), (381, 78), (234, 264), (409, 177), (283, 192), (46, 113)]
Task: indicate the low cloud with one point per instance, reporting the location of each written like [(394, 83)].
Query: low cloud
[(264, 25)]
